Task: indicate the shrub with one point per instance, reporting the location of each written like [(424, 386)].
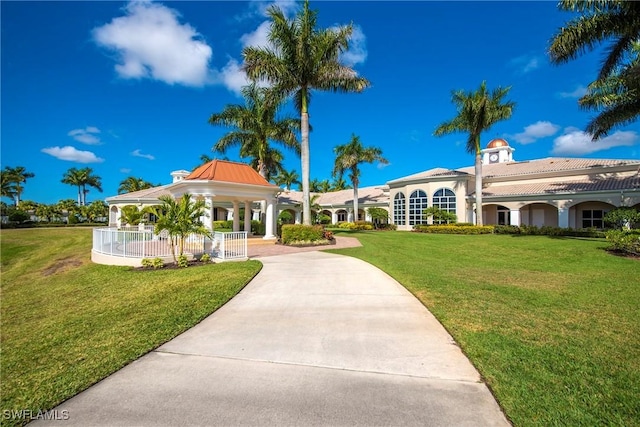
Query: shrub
[(301, 233), (223, 224), (359, 225), (285, 217), (506, 229), (386, 226), (323, 219), (157, 263), (624, 241), (623, 217), (205, 258), (258, 228), (182, 261), (454, 229), (146, 262)]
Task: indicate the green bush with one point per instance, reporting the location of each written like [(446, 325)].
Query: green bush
[(223, 224), (506, 229), (183, 261), (285, 217), (454, 229), (359, 225), (624, 241), (532, 230), (157, 263), (292, 233), (146, 262), (205, 258), (258, 228)]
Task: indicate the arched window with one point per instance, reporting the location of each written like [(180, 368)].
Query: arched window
[(445, 199), (399, 209), (417, 204), (342, 215)]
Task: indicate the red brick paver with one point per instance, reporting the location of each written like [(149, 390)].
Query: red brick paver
[(265, 250)]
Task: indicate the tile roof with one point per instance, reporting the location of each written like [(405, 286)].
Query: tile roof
[(149, 193), (528, 167), (225, 171), (375, 194), (547, 165), (574, 186)]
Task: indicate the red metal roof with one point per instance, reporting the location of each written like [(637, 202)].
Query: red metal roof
[(221, 170)]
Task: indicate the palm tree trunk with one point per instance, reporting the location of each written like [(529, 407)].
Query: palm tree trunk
[(79, 195), (304, 158), (478, 189), (355, 202)]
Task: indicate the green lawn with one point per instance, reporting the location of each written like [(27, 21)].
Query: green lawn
[(553, 324), (67, 323)]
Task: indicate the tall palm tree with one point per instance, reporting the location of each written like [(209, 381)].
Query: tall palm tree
[(271, 161), (616, 89), (254, 125), (82, 178), (131, 184), (287, 178), (349, 157), (303, 58), (16, 176), (477, 112)]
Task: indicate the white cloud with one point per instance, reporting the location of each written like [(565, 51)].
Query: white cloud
[(357, 52), (86, 135), (151, 43), (125, 170), (381, 165), (138, 153), (526, 63), (73, 155), (257, 38), (540, 129), (578, 92), (232, 76), (577, 142)]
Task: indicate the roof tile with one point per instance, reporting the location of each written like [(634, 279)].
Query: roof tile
[(225, 171)]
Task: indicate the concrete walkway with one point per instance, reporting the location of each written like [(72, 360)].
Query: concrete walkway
[(316, 339)]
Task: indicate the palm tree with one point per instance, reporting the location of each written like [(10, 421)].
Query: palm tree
[(287, 178), (82, 178), (349, 157), (180, 219), (272, 161), (69, 206), (131, 184), (6, 180), (16, 177), (324, 186), (340, 184), (254, 125), (616, 90), (303, 58), (477, 112)]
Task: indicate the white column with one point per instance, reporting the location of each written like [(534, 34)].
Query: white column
[(255, 215), (350, 215), (334, 217), (229, 214), (247, 217), (298, 217), (270, 220), (208, 220), (515, 217), (563, 217), (236, 216)]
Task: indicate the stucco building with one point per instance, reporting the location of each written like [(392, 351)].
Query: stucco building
[(563, 192)]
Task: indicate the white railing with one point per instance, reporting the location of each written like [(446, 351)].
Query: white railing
[(230, 245), (133, 243)]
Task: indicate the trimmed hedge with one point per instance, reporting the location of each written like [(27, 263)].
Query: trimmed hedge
[(454, 229), (292, 233), (359, 225), (532, 230)]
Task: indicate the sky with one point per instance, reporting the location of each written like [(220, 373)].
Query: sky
[(126, 88)]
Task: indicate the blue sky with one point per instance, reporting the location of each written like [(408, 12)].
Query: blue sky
[(127, 88)]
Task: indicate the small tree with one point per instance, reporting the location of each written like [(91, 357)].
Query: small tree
[(180, 218), (440, 215), (622, 217), (378, 216)]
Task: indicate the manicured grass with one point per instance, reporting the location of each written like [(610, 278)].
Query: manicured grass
[(67, 323), (553, 324)]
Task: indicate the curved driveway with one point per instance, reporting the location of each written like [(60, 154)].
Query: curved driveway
[(314, 339)]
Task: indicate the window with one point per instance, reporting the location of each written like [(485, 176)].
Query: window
[(342, 215), (417, 204), (593, 218), (445, 200), (399, 209)]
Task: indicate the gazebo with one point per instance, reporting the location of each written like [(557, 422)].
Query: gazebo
[(225, 186)]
